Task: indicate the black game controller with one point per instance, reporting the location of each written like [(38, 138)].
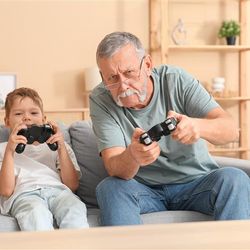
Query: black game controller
[(156, 132), (36, 133)]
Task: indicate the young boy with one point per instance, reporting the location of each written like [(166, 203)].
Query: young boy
[(36, 186)]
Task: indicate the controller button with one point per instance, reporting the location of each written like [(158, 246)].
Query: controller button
[(144, 135), (147, 141), (171, 126)]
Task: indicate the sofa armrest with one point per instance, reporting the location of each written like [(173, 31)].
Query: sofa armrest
[(233, 162)]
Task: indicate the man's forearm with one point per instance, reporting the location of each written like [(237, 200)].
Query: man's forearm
[(218, 131), (123, 165)]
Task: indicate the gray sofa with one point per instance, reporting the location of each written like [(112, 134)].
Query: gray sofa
[(82, 140)]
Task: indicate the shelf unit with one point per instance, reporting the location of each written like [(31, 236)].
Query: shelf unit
[(66, 116), (161, 49)]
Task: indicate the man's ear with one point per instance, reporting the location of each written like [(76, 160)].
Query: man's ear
[(148, 63), (101, 75)]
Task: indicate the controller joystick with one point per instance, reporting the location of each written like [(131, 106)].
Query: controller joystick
[(36, 133), (157, 131)]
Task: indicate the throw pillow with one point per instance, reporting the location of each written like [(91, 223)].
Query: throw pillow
[(85, 147)]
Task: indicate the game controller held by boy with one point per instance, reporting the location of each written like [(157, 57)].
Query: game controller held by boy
[(38, 133)]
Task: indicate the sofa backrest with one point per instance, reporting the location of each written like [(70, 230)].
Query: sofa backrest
[(4, 133), (84, 144)]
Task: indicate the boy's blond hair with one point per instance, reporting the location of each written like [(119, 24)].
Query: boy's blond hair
[(22, 92)]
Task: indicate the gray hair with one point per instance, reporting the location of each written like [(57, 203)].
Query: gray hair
[(115, 41)]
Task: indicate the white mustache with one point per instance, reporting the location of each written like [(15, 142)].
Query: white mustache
[(141, 95), (128, 92)]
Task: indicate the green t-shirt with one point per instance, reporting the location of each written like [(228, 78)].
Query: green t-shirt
[(174, 89)]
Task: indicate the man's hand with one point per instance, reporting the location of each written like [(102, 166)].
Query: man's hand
[(187, 130), (141, 153), (217, 127), (125, 162)]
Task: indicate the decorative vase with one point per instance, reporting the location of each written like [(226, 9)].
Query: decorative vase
[(179, 33), (231, 40), (218, 85)]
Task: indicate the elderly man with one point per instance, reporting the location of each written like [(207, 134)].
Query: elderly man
[(175, 172)]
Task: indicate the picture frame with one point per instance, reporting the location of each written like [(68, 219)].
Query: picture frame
[(7, 84)]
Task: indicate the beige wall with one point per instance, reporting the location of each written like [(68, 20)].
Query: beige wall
[(48, 43)]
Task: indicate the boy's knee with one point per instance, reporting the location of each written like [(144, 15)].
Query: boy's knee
[(34, 212)]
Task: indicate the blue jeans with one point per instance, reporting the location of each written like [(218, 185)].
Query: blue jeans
[(223, 193), (37, 209)]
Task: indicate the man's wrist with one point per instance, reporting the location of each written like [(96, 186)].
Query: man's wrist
[(132, 155)]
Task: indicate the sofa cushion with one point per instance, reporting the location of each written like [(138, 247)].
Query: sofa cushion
[(8, 223), (85, 147), (161, 217), (233, 162)]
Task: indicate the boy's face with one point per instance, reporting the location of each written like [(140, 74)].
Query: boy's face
[(24, 111)]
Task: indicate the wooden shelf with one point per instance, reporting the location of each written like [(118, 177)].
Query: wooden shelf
[(209, 48), (228, 150), (163, 49), (66, 116), (201, 1), (232, 99), (72, 110)]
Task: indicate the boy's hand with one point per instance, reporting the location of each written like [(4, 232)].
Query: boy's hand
[(57, 137), (15, 139)]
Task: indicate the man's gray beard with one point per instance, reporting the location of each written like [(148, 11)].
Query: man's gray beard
[(142, 96)]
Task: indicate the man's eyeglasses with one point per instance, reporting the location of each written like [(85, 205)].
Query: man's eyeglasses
[(132, 76)]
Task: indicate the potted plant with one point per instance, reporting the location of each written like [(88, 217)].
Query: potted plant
[(229, 30)]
